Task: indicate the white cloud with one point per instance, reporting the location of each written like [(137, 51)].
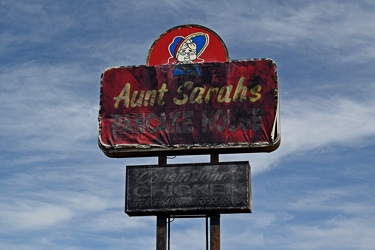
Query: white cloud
[(347, 199), (314, 122), (188, 239), (32, 215), (35, 22), (45, 108), (60, 192), (334, 30), (341, 233), (119, 221)]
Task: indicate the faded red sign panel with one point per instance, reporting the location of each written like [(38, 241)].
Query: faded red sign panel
[(227, 107)]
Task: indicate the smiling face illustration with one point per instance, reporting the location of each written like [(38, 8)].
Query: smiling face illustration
[(187, 52), (188, 49)]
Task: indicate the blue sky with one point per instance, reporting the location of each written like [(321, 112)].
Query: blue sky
[(59, 191)]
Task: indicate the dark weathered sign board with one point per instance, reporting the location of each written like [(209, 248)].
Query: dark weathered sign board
[(188, 189)]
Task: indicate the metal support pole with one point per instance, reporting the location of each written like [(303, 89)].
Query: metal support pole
[(161, 224), (215, 232), (214, 219), (214, 158), (161, 236), (207, 245), (169, 233), (161, 221)]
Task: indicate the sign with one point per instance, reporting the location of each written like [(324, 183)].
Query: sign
[(187, 43), (229, 107), (190, 99), (186, 189)]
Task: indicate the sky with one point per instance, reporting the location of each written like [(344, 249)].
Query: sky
[(59, 191)]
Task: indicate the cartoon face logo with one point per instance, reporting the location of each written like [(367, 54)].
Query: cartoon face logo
[(185, 51), (185, 45)]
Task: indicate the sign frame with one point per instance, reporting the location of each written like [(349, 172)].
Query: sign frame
[(223, 147), (188, 189)]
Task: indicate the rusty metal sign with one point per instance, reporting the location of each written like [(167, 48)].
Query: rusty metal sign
[(187, 189), (184, 103)]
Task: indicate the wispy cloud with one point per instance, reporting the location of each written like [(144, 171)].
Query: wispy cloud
[(58, 191)]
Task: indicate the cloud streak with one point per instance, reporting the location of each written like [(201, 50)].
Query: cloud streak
[(58, 191)]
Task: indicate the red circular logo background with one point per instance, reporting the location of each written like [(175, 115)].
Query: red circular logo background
[(215, 50)]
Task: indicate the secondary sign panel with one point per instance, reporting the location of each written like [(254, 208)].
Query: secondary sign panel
[(188, 189), (225, 107)]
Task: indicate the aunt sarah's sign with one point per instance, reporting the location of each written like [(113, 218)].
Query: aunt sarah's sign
[(189, 100)]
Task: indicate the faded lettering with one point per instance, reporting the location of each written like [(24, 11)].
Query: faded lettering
[(187, 94)]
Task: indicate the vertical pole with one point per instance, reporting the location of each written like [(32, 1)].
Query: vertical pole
[(161, 220), (214, 219), (207, 233), (215, 232), (214, 158), (169, 233), (161, 236)]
